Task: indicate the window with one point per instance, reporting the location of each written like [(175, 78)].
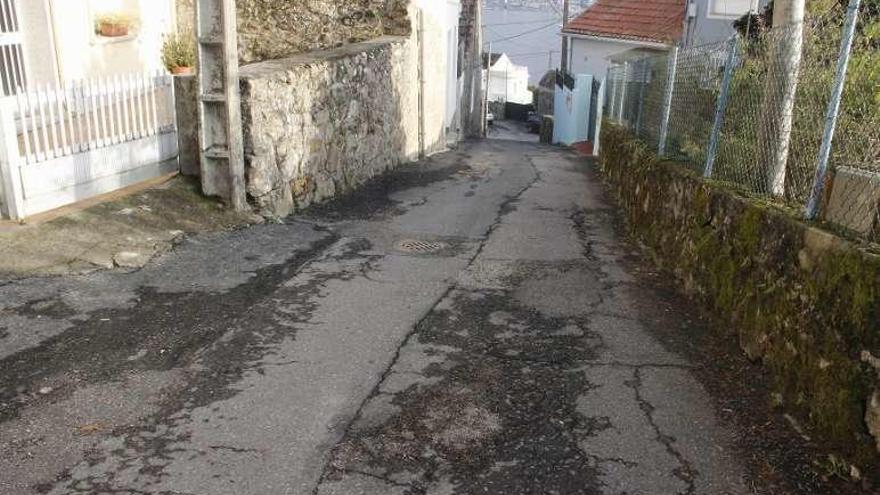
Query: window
[(12, 73), (730, 9)]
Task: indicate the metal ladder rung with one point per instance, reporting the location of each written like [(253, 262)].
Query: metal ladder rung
[(214, 97), (217, 153)]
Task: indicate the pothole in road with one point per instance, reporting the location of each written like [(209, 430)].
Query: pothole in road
[(420, 247)]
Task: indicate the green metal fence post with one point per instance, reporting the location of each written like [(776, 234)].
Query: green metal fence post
[(849, 31), (721, 108), (667, 100)]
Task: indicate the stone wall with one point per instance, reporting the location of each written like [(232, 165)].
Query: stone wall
[(319, 124), (545, 94), (186, 102), (802, 300), (269, 29)]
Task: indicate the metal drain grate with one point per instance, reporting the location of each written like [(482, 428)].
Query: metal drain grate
[(421, 247)]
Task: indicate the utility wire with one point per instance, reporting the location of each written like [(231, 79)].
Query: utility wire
[(554, 23), (521, 22), (545, 52), (525, 46), (518, 43)]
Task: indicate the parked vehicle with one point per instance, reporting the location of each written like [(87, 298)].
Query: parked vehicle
[(490, 118)]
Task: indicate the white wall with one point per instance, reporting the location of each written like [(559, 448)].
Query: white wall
[(453, 91), (572, 111), (714, 20), (440, 22), (40, 61), (78, 52), (591, 56)]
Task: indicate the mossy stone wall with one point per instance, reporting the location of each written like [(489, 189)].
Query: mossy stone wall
[(804, 301)]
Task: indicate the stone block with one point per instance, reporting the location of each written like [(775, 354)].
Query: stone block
[(854, 200), (872, 417), (186, 103)]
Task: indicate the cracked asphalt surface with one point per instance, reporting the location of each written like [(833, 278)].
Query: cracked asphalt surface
[(513, 353)]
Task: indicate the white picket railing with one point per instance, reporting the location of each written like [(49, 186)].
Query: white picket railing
[(67, 143), (87, 115)]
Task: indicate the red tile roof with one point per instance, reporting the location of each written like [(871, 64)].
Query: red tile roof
[(660, 21)]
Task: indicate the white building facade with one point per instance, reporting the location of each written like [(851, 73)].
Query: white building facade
[(592, 55), (508, 82), (439, 25), (61, 40)]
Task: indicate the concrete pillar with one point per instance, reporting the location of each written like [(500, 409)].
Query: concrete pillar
[(780, 90), (471, 43)]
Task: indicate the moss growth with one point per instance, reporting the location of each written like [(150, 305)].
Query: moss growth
[(807, 321)]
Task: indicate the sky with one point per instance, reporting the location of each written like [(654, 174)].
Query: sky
[(529, 37)]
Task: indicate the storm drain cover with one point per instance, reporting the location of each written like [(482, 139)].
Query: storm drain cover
[(420, 247)]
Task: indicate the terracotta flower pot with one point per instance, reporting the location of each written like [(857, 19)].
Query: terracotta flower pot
[(110, 30), (182, 71)]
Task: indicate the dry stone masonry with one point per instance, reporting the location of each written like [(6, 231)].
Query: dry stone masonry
[(317, 125), (269, 29)]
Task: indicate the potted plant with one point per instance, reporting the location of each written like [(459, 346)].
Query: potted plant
[(113, 25), (179, 53)]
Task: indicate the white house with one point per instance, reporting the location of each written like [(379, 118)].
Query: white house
[(619, 29), (508, 82), (51, 41)]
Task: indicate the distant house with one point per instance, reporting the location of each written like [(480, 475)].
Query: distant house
[(53, 41), (711, 21), (620, 29), (508, 82)]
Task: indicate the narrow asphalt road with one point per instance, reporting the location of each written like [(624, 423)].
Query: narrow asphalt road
[(461, 326)]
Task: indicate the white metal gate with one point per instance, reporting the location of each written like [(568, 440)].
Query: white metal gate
[(63, 145), (12, 64)]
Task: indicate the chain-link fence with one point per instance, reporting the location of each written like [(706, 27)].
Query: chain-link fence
[(791, 113)]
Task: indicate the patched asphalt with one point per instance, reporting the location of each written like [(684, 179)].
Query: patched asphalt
[(534, 374), (520, 354)]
